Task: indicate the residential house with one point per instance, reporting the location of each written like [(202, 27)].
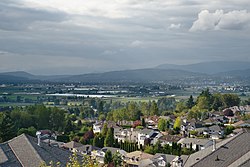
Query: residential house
[(242, 123), (148, 134), (152, 121), (27, 151), (86, 149), (72, 146), (190, 125), (162, 160), (215, 132), (47, 134), (97, 127), (135, 159), (49, 137), (125, 123), (231, 152), (100, 154), (130, 135), (197, 144), (230, 115), (169, 139)]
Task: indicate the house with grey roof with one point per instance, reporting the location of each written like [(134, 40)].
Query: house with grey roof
[(162, 160), (232, 151), (196, 144), (127, 135), (24, 151), (100, 154), (138, 159), (72, 146), (216, 132), (241, 123), (86, 149), (169, 139), (149, 134)]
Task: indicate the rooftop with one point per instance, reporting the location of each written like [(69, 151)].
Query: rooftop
[(24, 151), (234, 153), (195, 158)]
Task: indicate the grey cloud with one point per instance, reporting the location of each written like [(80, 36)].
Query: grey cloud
[(15, 17), (143, 34), (219, 20)]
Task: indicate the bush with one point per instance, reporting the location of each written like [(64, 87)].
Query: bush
[(63, 138)]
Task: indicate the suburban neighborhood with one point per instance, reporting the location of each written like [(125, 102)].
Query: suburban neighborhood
[(197, 143)]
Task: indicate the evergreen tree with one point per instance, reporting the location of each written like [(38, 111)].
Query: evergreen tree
[(68, 127), (190, 103), (154, 108), (117, 160), (104, 129), (191, 147), (143, 122), (108, 158), (7, 127), (162, 124), (177, 124), (109, 140)]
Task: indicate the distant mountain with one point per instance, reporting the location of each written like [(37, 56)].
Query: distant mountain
[(144, 75), (21, 74), (209, 67), (11, 79), (134, 75)]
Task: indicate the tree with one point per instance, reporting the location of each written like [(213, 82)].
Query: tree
[(153, 108), (98, 141), (157, 147), (109, 140), (228, 130), (145, 109), (7, 127), (204, 100), (43, 116), (166, 149), (181, 106), (101, 117), (190, 102), (87, 137), (133, 112), (203, 103), (149, 149), (143, 122), (29, 131), (100, 106), (85, 161), (104, 129), (217, 102), (231, 100), (108, 157), (162, 124), (177, 124), (117, 159), (68, 127), (56, 119)]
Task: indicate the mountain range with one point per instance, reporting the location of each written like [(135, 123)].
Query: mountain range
[(165, 72), (209, 67)]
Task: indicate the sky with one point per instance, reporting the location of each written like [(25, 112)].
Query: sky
[(84, 36)]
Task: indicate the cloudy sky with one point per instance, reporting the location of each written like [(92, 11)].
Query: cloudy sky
[(82, 36)]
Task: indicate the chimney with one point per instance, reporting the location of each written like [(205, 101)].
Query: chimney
[(38, 134), (214, 145)]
